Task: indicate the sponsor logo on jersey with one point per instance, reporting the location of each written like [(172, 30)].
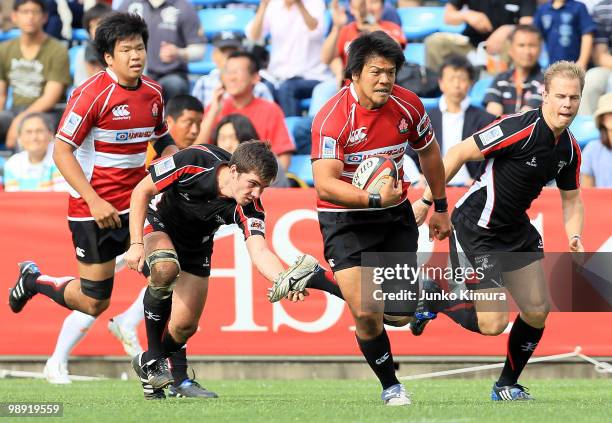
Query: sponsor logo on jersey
[(329, 148), (532, 162), (155, 110), (256, 224), (122, 136), (80, 252), (121, 112), (402, 126), (357, 136), (490, 135), (71, 123), (152, 316), (561, 164), (424, 125), (130, 135), (392, 151), (164, 166)]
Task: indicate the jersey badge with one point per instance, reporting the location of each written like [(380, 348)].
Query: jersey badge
[(357, 136), (154, 110), (490, 135), (329, 148), (71, 123), (164, 166), (256, 225), (121, 112), (424, 125), (402, 126)]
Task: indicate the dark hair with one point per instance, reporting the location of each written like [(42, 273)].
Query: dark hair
[(253, 64), (118, 26), (255, 156), (177, 104), (36, 115), (41, 3), (245, 131), (457, 61), (376, 43), (604, 137), (97, 11), (525, 28)]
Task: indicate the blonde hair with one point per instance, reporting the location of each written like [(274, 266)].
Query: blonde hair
[(563, 69)]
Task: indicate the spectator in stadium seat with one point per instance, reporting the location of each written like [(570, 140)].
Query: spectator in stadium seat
[(225, 43), (87, 61), (176, 38), (567, 29), (297, 30), (519, 88), (33, 168), (34, 65), (596, 168), (454, 119), (239, 78), (235, 129), (488, 21), (599, 79)]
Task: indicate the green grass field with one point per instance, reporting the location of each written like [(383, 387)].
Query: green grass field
[(318, 401)]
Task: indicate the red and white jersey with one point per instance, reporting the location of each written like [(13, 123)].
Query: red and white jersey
[(346, 131), (110, 127)]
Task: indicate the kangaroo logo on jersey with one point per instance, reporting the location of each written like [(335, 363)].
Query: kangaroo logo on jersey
[(121, 112), (402, 126), (357, 136)]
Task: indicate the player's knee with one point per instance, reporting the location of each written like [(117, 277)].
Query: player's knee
[(164, 273), (96, 307), (368, 323), (493, 327), (536, 318), (98, 293)]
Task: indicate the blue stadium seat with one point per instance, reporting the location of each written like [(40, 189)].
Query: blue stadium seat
[(543, 59), (419, 22), (302, 168), (477, 93), (72, 54), (320, 94), (10, 34), (209, 3), (415, 53), (305, 104), (204, 66), (80, 35), (584, 129), (224, 19), (430, 102)]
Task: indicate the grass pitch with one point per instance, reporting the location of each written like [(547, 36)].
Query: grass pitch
[(435, 400)]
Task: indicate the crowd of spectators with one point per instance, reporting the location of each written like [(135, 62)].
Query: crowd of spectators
[(287, 61)]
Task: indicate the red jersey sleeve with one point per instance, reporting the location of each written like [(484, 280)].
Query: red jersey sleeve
[(327, 128), (251, 219), (81, 114), (417, 124)]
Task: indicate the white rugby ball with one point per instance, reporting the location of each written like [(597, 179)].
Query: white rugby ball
[(373, 173)]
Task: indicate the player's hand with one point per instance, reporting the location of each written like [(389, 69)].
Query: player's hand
[(420, 210), (575, 245), (295, 296), (135, 257), (390, 193), (105, 215), (479, 21), (439, 226), (168, 52)]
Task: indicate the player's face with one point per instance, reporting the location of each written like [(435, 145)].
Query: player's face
[(375, 82), (247, 187), (35, 137), (29, 18), (237, 79), (185, 128), (525, 49), (227, 139), (561, 101), (454, 84), (128, 60)]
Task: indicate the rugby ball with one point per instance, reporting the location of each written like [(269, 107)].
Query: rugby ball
[(373, 173)]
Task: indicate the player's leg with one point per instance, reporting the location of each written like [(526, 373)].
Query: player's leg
[(124, 326), (323, 280), (188, 300), (528, 288)]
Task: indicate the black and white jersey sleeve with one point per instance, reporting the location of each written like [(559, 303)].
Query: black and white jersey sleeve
[(251, 219), (506, 135)]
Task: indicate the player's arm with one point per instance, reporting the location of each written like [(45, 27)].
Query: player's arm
[(164, 145), (329, 186), (105, 215), (266, 262), (573, 218), (141, 196)]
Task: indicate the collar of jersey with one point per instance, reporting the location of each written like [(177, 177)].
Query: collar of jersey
[(114, 78)]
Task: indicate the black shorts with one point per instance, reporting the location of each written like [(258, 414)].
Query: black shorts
[(193, 249), (95, 245), (492, 252)]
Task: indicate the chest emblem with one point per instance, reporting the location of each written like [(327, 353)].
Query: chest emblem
[(532, 162), (120, 112), (357, 136), (402, 126)]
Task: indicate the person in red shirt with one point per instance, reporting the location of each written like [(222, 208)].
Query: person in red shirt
[(368, 18), (373, 116), (236, 96)]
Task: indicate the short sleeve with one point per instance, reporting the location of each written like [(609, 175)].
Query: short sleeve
[(587, 25), (568, 178), (179, 167), (325, 136), (251, 219), (503, 137), (79, 117), (59, 62)]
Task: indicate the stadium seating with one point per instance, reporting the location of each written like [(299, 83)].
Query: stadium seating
[(477, 93), (72, 54), (584, 129), (415, 53), (9, 35), (430, 102), (204, 66), (224, 19), (419, 22), (80, 35), (209, 3), (302, 168)]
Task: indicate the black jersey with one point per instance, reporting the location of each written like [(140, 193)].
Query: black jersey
[(521, 157), (190, 204)]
